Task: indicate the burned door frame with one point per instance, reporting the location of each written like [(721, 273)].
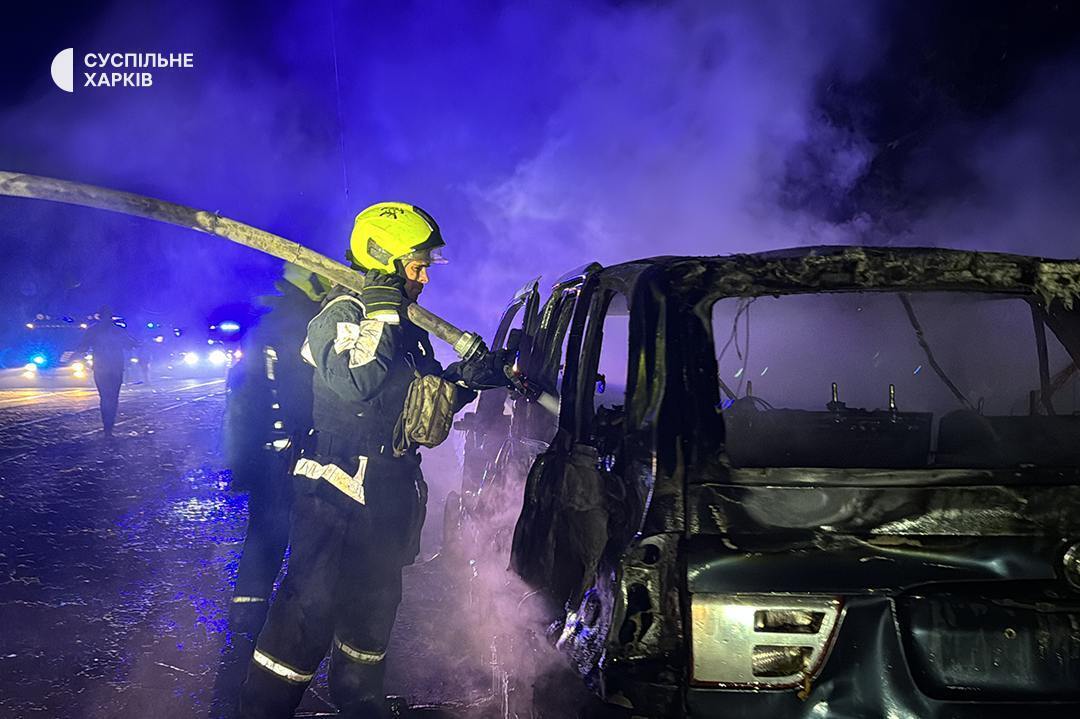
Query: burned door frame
[(535, 536), (485, 427), (544, 357), (630, 612), (507, 442)]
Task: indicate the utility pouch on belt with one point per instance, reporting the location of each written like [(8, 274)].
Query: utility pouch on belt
[(428, 414)]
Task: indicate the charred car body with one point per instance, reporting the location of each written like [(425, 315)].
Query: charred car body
[(722, 529)]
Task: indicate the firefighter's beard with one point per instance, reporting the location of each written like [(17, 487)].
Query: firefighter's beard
[(413, 289)]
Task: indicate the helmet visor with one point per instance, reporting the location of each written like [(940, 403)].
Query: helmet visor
[(432, 256)]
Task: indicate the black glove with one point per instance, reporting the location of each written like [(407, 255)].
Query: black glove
[(485, 371), (383, 295)]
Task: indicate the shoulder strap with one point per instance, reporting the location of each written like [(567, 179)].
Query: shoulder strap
[(339, 298)]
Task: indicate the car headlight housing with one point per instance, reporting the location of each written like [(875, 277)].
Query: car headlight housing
[(761, 641)]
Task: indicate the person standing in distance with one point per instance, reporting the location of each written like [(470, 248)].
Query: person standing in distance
[(108, 342)]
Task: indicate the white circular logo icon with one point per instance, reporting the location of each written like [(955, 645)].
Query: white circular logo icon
[(63, 70)]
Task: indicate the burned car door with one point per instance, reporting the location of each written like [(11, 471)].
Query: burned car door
[(574, 502), (598, 533), (499, 448), (487, 426)]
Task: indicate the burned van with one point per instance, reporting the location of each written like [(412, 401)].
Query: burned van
[(825, 482)]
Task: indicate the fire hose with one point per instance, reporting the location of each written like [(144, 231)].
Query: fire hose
[(466, 345)]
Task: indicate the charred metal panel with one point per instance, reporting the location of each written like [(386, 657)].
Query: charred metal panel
[(830, 269), (636, 608), (866, 675), (910, 511), (930, 477), (1058, 281), (563, 529), (626, 636), (849, 565), (588, 626), (650, 618), (644, 659), (961, 645)]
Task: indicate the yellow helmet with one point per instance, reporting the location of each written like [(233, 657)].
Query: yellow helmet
[(312, 284), (390, 231)]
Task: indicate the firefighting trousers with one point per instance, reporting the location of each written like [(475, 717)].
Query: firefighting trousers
[(341, 592), (269, 508), (108, 387)]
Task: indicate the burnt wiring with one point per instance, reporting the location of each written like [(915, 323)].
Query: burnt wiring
[(1044, 393), (758, 403), (1061, 378), (740, 308), (733, 337), (921, 338), (745, 355)]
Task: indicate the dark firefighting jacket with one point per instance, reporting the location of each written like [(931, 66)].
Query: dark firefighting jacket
[(108, 342), (363, 368), (268, 406)]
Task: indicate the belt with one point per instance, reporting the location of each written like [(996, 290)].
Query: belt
[(336, 445)]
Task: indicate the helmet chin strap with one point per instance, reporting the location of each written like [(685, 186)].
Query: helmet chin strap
[(352, 261)]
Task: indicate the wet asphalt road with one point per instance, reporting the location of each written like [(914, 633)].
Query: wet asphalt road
[(117, 559)]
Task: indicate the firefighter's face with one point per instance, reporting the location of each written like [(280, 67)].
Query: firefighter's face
[(416, 276)]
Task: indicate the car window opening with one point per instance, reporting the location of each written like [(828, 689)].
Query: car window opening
[(894, 380)]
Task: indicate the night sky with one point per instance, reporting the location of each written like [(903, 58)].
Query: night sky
[(542, 135)]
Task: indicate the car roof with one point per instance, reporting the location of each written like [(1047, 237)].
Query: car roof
[(849, 269)]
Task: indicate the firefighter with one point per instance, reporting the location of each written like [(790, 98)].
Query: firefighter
[(267, 420), (108, 342), (360, 497)]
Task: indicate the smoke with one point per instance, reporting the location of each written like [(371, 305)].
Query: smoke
[(679, 133), (1024, 167), (494, 653), (542, 136), (232, 136)]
